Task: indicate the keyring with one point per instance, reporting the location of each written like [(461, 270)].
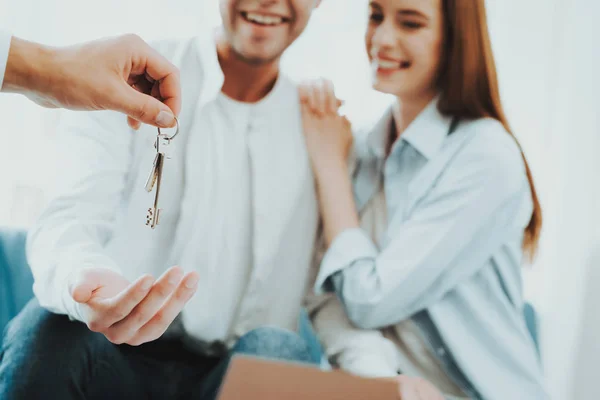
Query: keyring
[(168, 139)]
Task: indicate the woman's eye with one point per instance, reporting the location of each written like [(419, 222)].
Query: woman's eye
[(411, 25)]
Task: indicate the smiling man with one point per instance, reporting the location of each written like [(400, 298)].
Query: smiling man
[(238, 213)]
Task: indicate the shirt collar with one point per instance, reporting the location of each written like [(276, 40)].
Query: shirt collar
[(212, 74), (426, 133)]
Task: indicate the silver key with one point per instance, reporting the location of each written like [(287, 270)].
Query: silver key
[(154, 179), (155, 176)]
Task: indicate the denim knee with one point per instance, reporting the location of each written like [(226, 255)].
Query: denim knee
[(274, 343), (40, 349)]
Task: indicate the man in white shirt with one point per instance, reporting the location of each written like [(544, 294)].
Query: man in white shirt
[(110, 74), (239, 213)]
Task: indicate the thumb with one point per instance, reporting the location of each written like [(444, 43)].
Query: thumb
[(144, 108), (82, 291), (85, 282)]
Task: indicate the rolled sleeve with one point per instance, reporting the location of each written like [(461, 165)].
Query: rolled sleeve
[(5, 39), (349, 247)]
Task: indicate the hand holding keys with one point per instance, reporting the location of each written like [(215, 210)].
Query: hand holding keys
[(155, 176)]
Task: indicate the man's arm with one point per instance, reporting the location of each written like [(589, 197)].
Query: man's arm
[(123, 74), (73, 272), (93, 156)]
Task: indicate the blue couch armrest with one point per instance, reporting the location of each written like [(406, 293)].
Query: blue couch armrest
[(16, 281)]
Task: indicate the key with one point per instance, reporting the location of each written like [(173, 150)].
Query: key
[(155, 176), (154, 180)]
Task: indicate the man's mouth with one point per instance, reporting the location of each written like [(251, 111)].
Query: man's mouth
[(264, 19)]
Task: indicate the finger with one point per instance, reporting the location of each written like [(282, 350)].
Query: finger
[(170, 92), (128, 327), (169, 311), (85, 283), (305, 109), (303, 93), (308, 118), (153, 65), (318, 98), (142, 107), (309, 97), (121, 305), (82, 292), (134, 124), (148, 77), (160, 69), (331, 101)]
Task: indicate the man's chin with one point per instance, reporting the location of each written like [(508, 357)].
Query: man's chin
[(256, 57)]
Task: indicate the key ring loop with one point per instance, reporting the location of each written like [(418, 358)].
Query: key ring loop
[(168, 139)]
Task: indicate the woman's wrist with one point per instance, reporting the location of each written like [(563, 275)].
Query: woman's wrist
[(330, 169), (336, 199)]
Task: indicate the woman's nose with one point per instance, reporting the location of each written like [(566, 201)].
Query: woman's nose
[(384, 36)]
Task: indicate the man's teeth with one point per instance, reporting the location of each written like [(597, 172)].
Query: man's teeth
[(264, 19)]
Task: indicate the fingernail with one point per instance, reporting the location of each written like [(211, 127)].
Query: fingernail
[(191, 282), (165, 119)]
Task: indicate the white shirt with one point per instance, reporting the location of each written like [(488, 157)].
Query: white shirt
[(237, 199), (5, 39)]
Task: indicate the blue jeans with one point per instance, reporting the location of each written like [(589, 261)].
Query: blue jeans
[(45, 355)]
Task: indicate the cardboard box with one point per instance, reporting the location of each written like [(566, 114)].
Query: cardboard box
[(251, 378)]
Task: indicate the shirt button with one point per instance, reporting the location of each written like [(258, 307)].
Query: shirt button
[(441, 352)]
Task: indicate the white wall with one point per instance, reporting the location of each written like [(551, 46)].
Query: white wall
[(570, 322)]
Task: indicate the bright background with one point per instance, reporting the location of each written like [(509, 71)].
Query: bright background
[(548, 61)]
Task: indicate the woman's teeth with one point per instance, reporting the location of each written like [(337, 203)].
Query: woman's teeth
[(263, 19), (387, 64)]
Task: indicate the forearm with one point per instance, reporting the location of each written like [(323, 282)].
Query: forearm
[(336, 199), (58, 246), (71, 232), (29, 68)]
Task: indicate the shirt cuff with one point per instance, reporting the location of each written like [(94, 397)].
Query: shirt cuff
[(5, 39), (349, 247)]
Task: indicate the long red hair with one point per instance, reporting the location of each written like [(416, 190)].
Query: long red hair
[(469, 84)]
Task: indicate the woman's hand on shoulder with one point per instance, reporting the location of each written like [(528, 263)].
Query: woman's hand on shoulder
[(328, 134)]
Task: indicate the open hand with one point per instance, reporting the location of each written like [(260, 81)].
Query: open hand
[(131, 313)]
